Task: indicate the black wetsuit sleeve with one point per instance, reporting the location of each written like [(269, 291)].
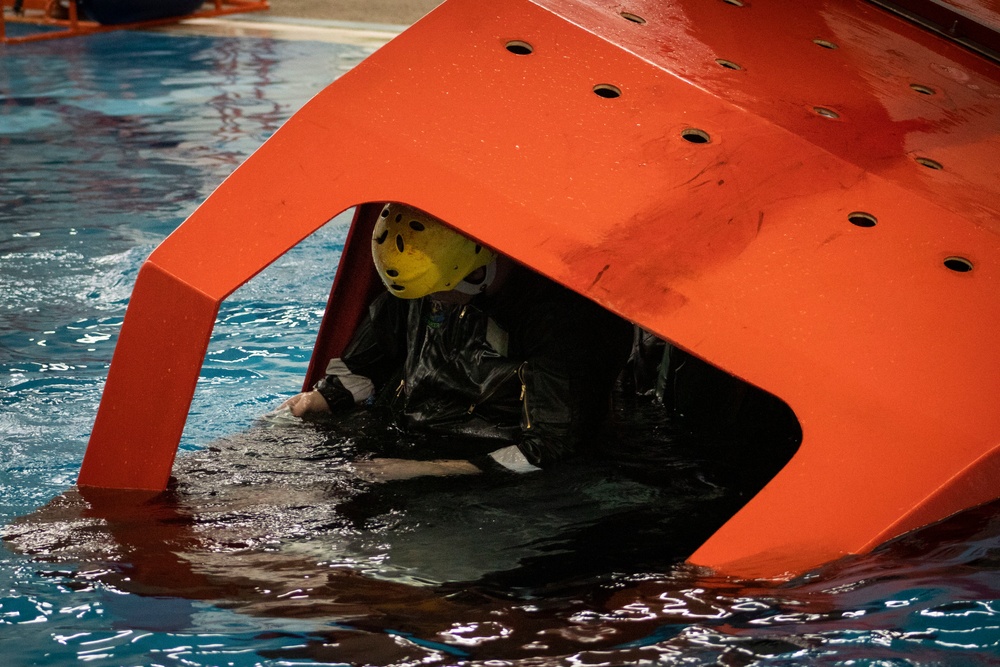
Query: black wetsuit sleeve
[(374, 355)]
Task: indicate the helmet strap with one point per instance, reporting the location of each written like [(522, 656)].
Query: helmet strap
[(472, 289)]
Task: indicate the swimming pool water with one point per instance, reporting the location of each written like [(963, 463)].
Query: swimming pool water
[(266, 551)]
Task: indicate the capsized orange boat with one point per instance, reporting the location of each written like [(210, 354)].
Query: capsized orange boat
[(803, 194)]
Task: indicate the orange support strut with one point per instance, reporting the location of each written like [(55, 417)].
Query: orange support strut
[(803, 194)]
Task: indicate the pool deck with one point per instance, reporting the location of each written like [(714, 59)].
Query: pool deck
[(365, 22)]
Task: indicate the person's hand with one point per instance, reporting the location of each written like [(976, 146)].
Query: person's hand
[(384, 470), (305, 404)]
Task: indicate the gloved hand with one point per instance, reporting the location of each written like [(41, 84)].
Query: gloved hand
[(306, 403)]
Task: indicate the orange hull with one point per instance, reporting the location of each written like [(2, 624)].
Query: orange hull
[(792, 191)]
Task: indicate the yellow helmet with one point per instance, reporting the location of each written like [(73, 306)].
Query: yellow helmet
[(417, 255)]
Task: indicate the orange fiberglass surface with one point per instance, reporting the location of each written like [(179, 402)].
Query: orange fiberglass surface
[(803, 194)]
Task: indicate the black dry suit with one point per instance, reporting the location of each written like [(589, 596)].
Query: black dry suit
[(529, 370)]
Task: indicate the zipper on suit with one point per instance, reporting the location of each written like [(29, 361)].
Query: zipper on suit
[(496, 387), (524, 394)]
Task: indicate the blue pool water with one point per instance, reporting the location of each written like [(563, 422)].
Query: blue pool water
[(266, 551)]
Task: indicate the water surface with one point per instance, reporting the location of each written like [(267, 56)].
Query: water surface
[(266, 550)]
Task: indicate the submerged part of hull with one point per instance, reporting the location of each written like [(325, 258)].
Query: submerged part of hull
[(803, 194)]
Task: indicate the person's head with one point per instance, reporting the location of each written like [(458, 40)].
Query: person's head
[(417, 255)]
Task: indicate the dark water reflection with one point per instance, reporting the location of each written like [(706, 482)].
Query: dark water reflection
[(578, 566)]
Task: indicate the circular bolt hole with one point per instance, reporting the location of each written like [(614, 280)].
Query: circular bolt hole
[(958, 264), (923, 90), (929, 163), (607, 91), (728, 64), (634, 18), (517, 47), (825, 44), (826, 113), (862, 219), (695, 136)]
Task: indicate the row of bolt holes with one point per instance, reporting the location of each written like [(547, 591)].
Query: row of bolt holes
[(610, 92), (696, 136), (862, 219)]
